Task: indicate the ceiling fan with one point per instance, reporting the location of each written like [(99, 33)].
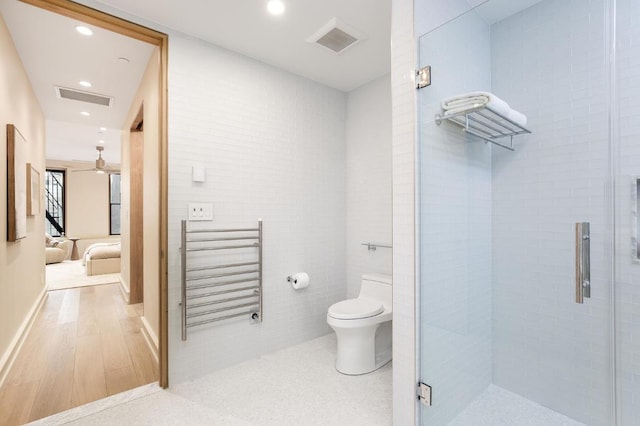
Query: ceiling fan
[(101, 165)]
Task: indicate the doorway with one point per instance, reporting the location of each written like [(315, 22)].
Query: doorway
[(158, 261), (129, 29)]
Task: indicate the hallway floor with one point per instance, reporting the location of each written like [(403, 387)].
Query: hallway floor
[(85, 344), (294, 386)]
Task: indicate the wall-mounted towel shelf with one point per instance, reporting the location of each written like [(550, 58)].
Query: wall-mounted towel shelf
[(214, 289), (486, 124)]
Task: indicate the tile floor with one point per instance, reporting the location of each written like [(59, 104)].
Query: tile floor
[(499, 407), (295, 386)]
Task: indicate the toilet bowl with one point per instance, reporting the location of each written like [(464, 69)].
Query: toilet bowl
[(363, 327)]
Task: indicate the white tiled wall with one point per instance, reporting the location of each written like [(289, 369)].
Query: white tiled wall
[(549, 62), (404, 228), (430, 14), (368, 185), (274, 148), (628, 156), (455, 224)]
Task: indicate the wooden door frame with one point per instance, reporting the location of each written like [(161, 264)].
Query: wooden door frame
[(112, 23), (136, 214)]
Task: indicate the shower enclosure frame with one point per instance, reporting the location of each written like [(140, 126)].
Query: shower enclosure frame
[(614, 385)]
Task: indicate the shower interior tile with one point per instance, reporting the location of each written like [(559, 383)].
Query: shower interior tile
[(499, 407)]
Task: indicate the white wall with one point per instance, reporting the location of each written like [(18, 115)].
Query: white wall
[(429, 15), (87, 204), (274, 148), (455, 224), (22, 262), (368, 181), (628, 157), (87, 200), (549, 62), (404, 159)]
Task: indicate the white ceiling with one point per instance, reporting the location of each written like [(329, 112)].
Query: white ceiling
[(54, 54), (246, 27), (77, 142), (60, 56), (57, 55)]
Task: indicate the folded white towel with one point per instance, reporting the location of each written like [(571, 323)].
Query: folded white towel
[(518, 118), (472, 100)]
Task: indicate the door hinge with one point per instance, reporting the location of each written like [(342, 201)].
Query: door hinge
[(423, 77), (424, 394)]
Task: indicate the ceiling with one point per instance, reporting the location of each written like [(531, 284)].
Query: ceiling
[(246, 27), (57, 55), (60, 56)]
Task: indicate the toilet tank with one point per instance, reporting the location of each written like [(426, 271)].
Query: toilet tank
[(377, 287)]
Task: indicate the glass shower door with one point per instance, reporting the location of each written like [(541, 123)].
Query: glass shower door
[(499, 319)]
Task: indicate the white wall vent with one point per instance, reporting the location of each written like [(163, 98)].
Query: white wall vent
[(336, 36), (78, 95)]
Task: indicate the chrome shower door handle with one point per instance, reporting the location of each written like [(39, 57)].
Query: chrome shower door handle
[(583, 261)]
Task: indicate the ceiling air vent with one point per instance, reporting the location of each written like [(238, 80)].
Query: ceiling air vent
[(78, 95), (336, 36)]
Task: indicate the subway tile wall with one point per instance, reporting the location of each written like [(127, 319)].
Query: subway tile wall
[(550, 62), (368, 184), (404, 160), (455, 224), (628, 157), (273, 145)]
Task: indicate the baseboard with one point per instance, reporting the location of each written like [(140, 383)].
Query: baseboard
[(18, 340), (150, 337), (124, 288)]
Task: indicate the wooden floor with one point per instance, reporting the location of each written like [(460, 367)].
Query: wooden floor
[(84, 345)]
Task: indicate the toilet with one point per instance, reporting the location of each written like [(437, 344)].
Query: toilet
[(363, 327)]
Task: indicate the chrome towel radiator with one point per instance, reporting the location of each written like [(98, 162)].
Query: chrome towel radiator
[(213, 290)]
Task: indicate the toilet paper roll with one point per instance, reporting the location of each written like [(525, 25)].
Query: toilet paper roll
[(300, 280)]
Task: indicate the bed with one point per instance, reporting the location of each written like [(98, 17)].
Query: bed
[(102, 258)]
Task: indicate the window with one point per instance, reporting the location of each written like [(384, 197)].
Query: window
[(54, 182), (114, 204)]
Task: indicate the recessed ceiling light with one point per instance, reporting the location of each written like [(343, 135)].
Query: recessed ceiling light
[(124, 60), (85, 113), (84, 83), (101, 141), (102, 129), (275, 7), (84, 30)]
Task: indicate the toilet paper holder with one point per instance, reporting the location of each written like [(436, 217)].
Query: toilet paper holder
[(298, 280)]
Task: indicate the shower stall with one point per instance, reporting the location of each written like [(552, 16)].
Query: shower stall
[(529, 268)]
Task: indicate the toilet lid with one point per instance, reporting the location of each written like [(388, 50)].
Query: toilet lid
[(355, 308)]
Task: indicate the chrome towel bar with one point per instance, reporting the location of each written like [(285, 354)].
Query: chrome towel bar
[(231, 265), (216, 293), (197, 278), (374, 246)]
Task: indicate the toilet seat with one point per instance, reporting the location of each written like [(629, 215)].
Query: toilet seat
[(355, 309)]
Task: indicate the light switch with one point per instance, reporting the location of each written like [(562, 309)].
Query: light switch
[(200, 211), (198, 173)]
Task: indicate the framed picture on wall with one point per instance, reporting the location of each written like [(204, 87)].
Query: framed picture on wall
[(16, 184), (33, 191)]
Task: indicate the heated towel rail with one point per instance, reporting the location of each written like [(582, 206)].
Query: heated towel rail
[(213, 289)]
